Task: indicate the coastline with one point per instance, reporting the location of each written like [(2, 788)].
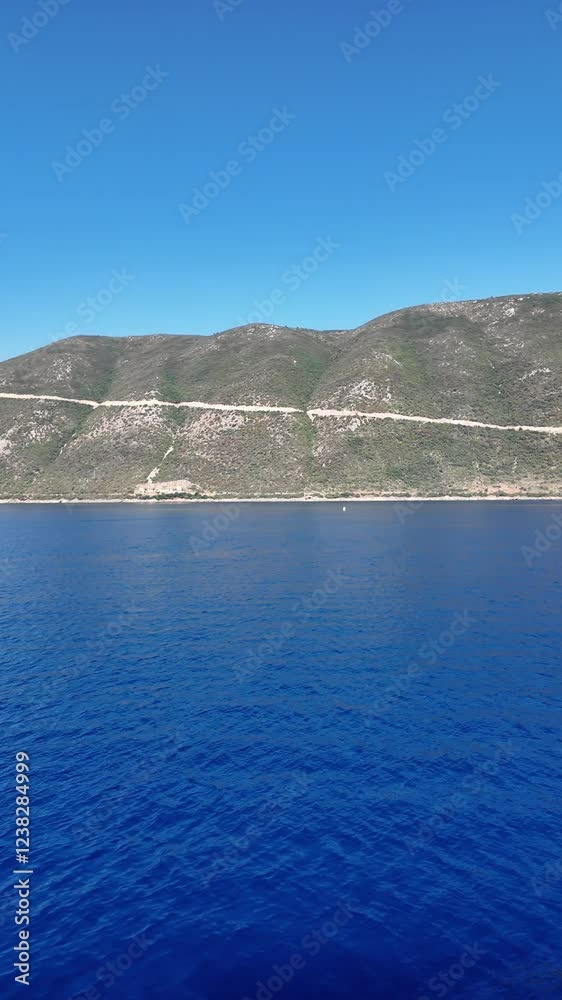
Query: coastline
[(238, 500)]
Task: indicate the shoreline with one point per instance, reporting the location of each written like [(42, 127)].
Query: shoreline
[(343, 500)]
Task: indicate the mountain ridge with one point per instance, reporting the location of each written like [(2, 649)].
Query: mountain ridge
[(493, 362)]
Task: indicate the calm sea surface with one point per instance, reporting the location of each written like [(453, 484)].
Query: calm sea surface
[(304, 752)]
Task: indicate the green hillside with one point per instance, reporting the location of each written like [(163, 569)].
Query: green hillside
[(497, 361)]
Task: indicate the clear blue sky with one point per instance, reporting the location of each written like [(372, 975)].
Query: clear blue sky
[(64, 231)]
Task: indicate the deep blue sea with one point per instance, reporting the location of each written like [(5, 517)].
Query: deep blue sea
[(303, 752)]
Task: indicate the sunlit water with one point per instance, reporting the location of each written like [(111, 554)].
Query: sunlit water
[(308, 735)]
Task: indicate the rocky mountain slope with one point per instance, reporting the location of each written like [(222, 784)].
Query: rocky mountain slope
[(496, 361)]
